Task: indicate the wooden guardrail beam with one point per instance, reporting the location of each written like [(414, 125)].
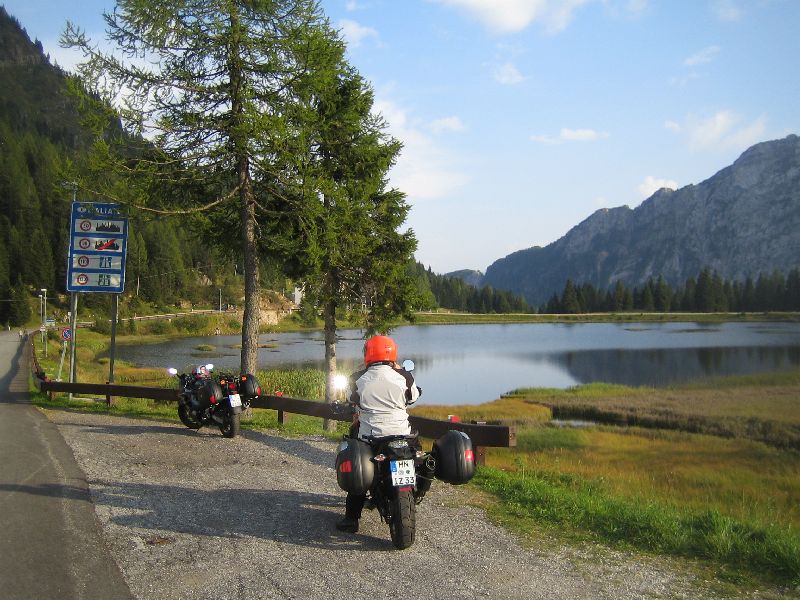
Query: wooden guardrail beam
[(482, 435)]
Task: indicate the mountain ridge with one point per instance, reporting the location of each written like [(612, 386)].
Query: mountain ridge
[(741, 221)]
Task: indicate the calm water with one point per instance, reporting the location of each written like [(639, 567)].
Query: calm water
[(469, 364)]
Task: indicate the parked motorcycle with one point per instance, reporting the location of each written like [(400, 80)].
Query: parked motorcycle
[(246, 386), (202, 401), (395, 474)]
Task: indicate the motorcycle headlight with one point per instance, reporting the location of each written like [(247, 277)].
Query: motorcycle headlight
[(398, 444)]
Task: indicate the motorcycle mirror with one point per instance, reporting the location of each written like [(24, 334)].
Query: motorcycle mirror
[(210, 366), (172, 371), (408, 365)]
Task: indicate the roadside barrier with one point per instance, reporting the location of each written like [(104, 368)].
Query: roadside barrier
[(483, 435)]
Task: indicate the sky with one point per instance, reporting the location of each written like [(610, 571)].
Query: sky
[(521, 118)]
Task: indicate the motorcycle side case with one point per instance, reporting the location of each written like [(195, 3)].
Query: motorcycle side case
[(455, 459), (207, 391), (249, 386), (355, 471)]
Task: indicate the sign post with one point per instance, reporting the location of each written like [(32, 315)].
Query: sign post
[(66, 335), (97, 249)]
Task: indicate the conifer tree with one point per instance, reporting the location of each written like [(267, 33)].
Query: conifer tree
[(214, 95)]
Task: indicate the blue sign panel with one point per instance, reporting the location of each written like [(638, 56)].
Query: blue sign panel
[(98, 241)]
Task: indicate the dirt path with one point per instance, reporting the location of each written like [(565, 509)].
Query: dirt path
[(193, 515)]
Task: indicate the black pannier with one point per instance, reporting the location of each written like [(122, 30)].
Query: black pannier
[(249, 386), (208, 392), (455, 459), (355, 471)]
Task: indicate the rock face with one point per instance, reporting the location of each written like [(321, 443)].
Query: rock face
[(742, 221)]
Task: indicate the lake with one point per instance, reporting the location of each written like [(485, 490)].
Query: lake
[(470, 364)]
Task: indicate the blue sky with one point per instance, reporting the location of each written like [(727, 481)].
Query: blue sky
[(520, 118)]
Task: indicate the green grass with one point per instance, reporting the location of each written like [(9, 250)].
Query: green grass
[(646, 524)]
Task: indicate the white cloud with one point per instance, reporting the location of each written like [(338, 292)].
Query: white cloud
[(510, 16), (727, 10), (508, 74), (354, 33), (451, 124), (706, 55), (724, 129), (672, 126), (351, 5), (582, 135), (571, 135), (424, 170), (651, 185)]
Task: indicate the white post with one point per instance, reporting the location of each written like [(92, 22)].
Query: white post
[(44, 322)]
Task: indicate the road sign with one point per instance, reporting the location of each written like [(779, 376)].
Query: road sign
[(98, 244), (66, 334)]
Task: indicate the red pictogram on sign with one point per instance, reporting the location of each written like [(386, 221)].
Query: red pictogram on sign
[(83, 261), (83, 279), (84, 243), (86, 225)]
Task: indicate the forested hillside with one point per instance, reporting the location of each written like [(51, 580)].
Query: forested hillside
[(41, 140)]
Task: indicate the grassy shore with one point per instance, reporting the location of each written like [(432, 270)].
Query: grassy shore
[(687, 470)]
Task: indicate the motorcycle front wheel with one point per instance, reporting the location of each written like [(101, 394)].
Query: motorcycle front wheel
[(404, 519), (186, 418), (231, 425)]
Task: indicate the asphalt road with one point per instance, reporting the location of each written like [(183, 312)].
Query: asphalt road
[(51, 544)]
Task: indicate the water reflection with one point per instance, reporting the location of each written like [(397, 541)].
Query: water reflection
[(477, 363)]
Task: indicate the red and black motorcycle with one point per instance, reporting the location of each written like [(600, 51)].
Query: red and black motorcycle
[(204, 401)]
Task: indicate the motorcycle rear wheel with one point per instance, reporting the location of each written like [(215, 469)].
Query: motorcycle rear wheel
[(404, 519), (186, 418), (231, 425)]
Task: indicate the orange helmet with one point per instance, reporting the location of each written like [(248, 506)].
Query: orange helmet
[(379, 348)]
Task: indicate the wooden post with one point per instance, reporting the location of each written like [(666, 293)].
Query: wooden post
[(480, 455), (282, 417)]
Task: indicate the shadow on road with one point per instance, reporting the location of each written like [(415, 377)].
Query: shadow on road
[(290, 517)]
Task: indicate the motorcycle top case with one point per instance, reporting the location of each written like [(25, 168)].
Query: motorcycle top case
[(208, 392), (249, 386), (455, 459), (355, 471)]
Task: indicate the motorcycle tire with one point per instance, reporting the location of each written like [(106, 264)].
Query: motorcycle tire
[(186, 418), (404, 519), (231, 425)]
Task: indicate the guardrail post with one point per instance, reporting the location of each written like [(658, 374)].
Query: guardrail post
[(282, 417)]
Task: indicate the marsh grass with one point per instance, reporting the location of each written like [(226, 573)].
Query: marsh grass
[(764, 408)]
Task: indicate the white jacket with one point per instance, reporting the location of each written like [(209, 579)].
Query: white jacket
[(381, 394)]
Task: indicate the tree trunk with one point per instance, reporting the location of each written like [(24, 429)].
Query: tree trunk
[(252, 307), (329, 314)]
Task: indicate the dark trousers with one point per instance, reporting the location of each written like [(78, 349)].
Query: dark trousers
[(354, 505)]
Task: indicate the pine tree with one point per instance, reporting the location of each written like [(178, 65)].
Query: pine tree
[(216, 93)]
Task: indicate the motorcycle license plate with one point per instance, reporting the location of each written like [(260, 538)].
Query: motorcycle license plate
[(235, 400), (403, 472)]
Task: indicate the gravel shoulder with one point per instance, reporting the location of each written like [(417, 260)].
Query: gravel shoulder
[(189, 514)]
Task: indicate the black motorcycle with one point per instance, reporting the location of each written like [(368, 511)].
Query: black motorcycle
[(395, 474), (203, 401)]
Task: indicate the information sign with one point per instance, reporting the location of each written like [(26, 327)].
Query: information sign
[(98, 243)]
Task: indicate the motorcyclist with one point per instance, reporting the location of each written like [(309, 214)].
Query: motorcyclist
[(381, 392)]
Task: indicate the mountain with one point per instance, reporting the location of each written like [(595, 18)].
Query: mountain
[(468, 276), (744, 220)]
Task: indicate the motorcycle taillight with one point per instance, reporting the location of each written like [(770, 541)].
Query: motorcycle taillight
[(346, 466), (232, 386), (213, 399)]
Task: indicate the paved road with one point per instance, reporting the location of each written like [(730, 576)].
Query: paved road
[(50, 540)]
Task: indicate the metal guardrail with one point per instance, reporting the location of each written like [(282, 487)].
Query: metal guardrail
[(482, 434)]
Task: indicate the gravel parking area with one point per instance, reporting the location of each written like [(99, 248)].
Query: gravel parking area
[(192, 515)]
